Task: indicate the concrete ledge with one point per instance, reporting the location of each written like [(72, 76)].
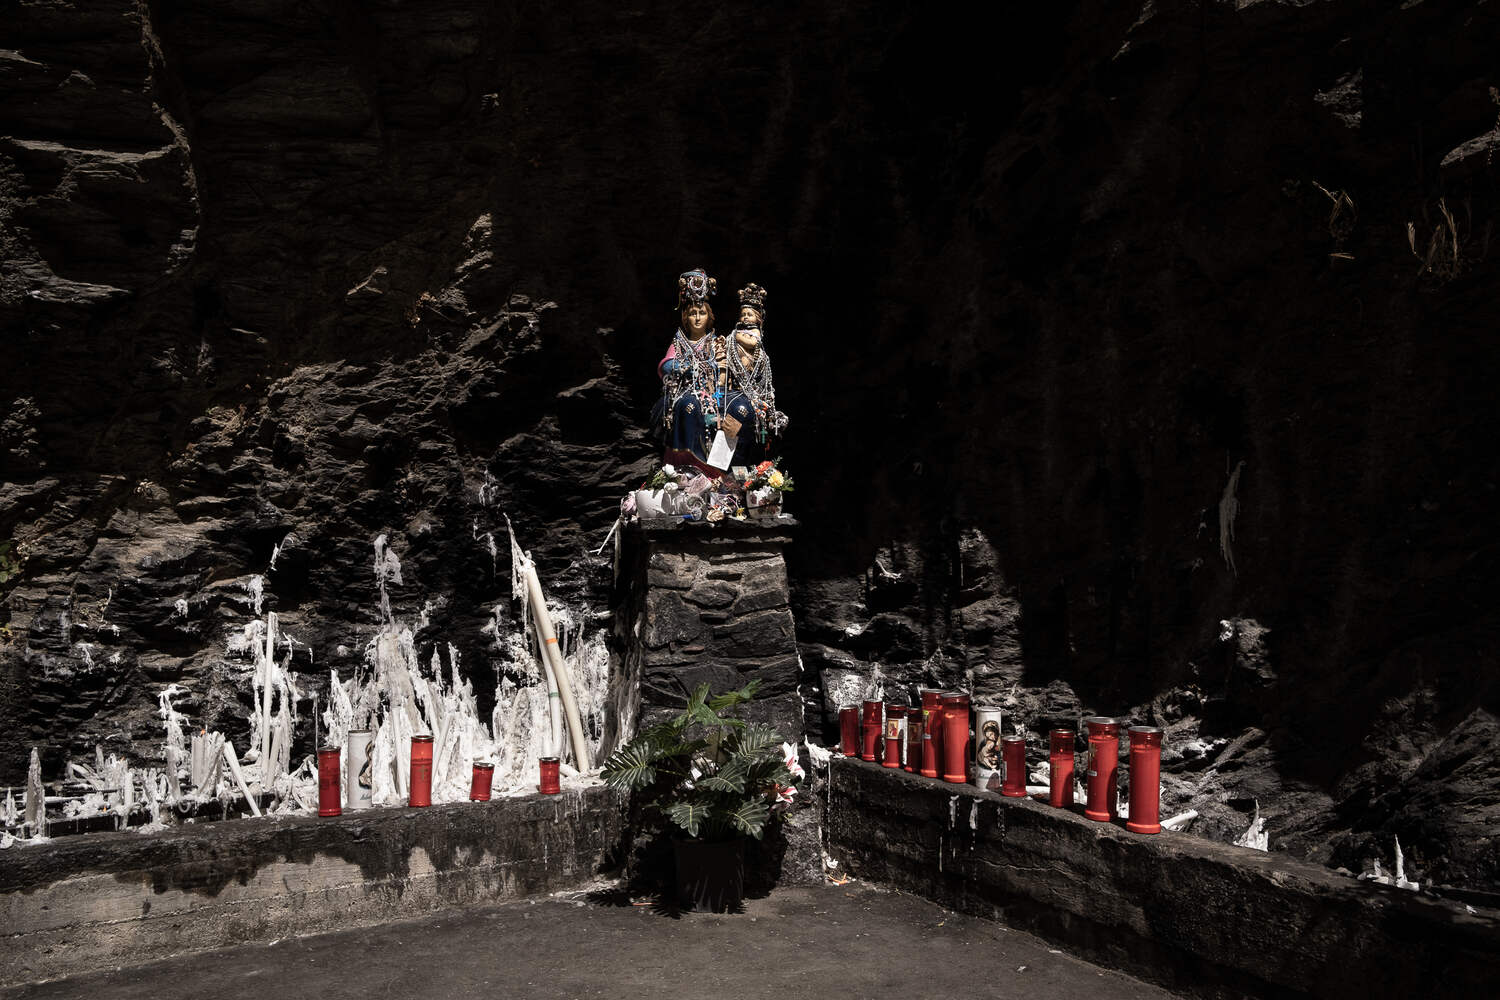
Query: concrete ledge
[(105, 900), (1192, 914)]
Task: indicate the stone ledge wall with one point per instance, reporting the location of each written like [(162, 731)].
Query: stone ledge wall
[(106, 900), (1192, 914)]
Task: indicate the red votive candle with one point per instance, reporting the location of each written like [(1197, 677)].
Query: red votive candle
[(932, 732), (1145, 780), (479, 785), (1060, 757), (849, 730), (895, 734), (1102, 725), (1014, 748), (870, 726), (956, 738), (1104, 762), (551, 782), (913, 740), (421, 771), (329, 796)]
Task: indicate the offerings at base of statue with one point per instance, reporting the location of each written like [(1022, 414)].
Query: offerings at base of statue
[(653, 504), (762, 502), (764, 488), (687, 494)]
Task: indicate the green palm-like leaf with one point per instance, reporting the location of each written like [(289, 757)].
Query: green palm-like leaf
[(688, 815), (731, 778), (729, 699), (750, 818), (631, 767), (767, 771), (752, 742)]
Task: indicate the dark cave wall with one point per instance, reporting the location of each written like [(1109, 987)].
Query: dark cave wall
[(300, 275)]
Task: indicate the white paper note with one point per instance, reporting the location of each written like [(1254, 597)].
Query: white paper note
[(723, 451)]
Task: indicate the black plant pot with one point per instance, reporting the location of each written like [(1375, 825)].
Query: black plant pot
[(710, 874)]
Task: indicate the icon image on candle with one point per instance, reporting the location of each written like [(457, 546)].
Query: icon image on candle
[(989, 745)]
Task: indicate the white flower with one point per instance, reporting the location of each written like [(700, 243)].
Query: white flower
[(668, 471), (792, 765)]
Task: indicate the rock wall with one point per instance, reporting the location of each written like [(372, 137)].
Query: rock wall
[(1137, 357)]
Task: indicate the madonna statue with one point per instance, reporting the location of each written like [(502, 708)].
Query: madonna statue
[(712, 384)]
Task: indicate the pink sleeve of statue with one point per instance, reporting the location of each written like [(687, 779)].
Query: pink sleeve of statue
[(671, 353)]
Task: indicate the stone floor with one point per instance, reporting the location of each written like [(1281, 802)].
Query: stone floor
[(830, 941)]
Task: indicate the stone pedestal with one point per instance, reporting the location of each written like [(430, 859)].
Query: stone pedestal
[(708, 603)]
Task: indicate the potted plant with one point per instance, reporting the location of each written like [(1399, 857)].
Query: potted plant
[(717, 780)]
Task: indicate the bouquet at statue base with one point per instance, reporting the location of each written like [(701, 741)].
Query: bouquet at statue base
[(765, 488), (681, 494)]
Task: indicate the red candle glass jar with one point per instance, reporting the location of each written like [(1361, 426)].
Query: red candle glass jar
[(870, 726), (955, 738), (479, 785), (932, 732), (1145, 780), (1014, 748), (849, 730), (913, 740), (1060, 757), (895, 734), (1104, 761), (329, 796), (1102, 725), (421, 771), (551, 782)]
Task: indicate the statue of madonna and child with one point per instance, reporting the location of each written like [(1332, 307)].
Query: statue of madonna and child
[(715, 385), (717, 412)]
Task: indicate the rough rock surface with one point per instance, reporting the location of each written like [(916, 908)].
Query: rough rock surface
[(705, 604), (1138, 357)]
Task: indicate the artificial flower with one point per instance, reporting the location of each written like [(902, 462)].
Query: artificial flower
[(792, 765), (775, 480)]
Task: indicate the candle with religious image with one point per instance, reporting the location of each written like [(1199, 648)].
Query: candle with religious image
[(359, 790), (895, 735), (932, 733), (914, 733), (989, 771)]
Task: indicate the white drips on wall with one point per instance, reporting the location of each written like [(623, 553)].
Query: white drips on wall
[(1398, 879), (1229, 509), (1255, 836)]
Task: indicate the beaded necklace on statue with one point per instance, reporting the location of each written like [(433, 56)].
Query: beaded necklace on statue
[(698, 374), (756, 383)]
